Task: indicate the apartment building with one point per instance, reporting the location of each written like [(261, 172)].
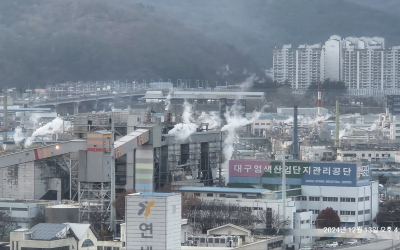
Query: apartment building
[(299, 66), (362, 63)]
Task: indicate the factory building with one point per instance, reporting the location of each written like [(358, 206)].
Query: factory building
[(346, 187)]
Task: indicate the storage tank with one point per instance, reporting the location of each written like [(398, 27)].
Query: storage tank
[(62, 213)]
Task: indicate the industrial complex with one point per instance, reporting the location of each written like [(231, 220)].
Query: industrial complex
[(62, 173)]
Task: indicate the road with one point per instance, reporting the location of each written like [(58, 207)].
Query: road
[(375, 245)]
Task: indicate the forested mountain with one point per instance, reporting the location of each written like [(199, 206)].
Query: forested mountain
[(256, 27), (389, 6), (47, 41)]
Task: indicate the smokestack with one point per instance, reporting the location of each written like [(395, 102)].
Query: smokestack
[(319, 100), (295, 136), (5, 125), (337, 142)]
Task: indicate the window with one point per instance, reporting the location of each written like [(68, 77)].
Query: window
[(369, 155), (210, 195), (315, 211), (347, 212), (363, 155), (366, 198), (343, 199), (222, 195), (304, 198), (5, 208), (196, 194), (361, 199), (360, 223), (377, 155), (367, 211), (99, 248), (115, 248), (313, 198), (19, 209), (87, 243), (330, 199), (366, 223), (360, 212)]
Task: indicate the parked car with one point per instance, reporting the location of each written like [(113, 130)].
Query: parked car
[(352, 242), (332, 245), (366, 241), (306, 248)]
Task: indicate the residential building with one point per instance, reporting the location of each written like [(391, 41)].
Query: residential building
[(299, 66), (362, 63)]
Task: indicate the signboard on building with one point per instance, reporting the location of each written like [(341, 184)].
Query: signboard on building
[(153, 221), (299, 173)]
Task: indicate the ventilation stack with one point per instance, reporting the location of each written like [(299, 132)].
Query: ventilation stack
[(337, 142), (295, 135)]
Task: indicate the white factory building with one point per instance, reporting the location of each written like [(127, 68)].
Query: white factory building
[(362, 63), (356, 206)]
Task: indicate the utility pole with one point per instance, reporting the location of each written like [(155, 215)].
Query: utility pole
[(5, 125), (113, 214), (284, 183)]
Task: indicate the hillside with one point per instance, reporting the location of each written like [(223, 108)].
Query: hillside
[(256, 27), (46, 41), (388, 6)]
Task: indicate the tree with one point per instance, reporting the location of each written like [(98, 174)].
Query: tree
[(204, 214), (327, 218), (273, 221), (382, 179), (119, 204), (390, 216), (6, 224)]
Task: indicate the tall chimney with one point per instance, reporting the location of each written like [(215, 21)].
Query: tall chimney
[(337, 141), (319, 100), (295, 136), (5, 125)]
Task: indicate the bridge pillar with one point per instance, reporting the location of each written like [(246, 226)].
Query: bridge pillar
[(76, 108), (95, 105)]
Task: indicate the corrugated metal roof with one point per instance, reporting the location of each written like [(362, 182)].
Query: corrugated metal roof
[(49, 231), (223, 190)]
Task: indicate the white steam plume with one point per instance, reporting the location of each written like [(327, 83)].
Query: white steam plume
[(183, 130), (234, 121), (212, 119), (345, 131), (53, 127), (374, 125), (18, 135), (168, 101), (248, 83)]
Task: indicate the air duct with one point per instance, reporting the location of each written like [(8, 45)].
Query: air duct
[(295, 136)]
